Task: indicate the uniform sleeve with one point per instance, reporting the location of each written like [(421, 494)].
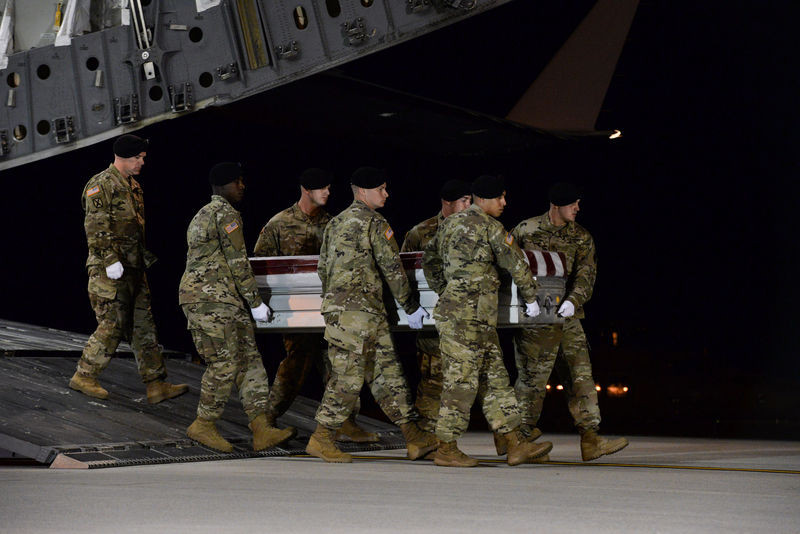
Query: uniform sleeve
[(433, 266), (410, 242), (231, 241), (387, 257), (584, 273), (97, 222), (322, 263), (511, 258), (268, 243)]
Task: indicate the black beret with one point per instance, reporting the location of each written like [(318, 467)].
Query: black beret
[(128, 146), (563, 194), (454, 189), (315, 178), (368, 177), (488, 186), (224, 173)]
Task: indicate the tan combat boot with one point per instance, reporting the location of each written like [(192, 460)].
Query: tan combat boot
[(265, 436), (449, 455), (521, 451), (88, 385), (356, 434), (594, 446), (321, 445), (158, 391), (205, 432), (418, 442), (501, 444)]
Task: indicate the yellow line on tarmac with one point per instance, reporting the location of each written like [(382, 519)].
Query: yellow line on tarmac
[(600, 464)]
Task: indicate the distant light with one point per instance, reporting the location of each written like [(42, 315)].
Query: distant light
[(614, 338), (616, 390), (597, 387), (387, 114), (616, 135), (473, 132), (559, 387), (547, 386)]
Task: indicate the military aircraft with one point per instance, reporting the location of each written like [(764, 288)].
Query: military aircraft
[(82, 71)]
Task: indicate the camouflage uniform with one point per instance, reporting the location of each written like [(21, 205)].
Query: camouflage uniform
[(114, 225), (216, 291), (293, 233), (539, 346), (460, 265), (358, 254), (429, 359)]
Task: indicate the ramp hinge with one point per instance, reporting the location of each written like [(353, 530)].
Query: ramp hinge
[(355, 33), (126, 109), (228, 72), (418, 6), (64, 129), (290, 50), (3, 143), (180, 97), (464, 5)]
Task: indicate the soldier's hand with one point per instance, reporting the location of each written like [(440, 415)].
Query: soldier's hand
[(415, 319), (567, 309), (114, 271), (532, 309), (261, 314)]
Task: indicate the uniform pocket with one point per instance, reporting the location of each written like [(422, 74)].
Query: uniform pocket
[(349, 331), (102, 287)]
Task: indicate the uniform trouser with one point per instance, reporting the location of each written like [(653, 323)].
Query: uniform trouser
[(123, 312), (360, 349), (224, 338), (472, 366), (302, 352), (536, 352), (429, 389)]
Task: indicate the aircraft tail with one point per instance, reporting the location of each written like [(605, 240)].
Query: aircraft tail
[(569, 92)]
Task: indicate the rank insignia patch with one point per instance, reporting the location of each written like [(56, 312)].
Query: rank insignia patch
[(231, 227), (388, 234)]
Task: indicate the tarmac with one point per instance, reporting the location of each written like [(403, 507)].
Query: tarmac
[(655, 485)]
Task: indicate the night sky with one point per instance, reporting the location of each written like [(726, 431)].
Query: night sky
[(692, 210)]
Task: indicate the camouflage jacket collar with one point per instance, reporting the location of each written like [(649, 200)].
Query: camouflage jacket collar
[(357, 204), (219, 199), (548, 226), (298, 213), (130, 182), (477, 209)]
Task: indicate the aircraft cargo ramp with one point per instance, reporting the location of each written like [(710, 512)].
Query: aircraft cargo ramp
[(43, 419)]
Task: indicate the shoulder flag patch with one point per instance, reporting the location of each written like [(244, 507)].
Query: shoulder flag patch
[(388, 233), (93, 191), (509, 239), (231, 227)]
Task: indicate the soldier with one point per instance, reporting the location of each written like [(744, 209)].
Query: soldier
[(537, 347), (460, 264), (455, 197), (218, 295), (358, 254), (118, 289), (297, 231)]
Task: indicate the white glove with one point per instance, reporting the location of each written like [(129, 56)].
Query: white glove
[(415, 319), (532, 309), (114, 271), (567, 309), (261, 314)]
